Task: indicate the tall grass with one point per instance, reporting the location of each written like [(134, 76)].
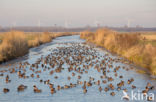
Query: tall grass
[(38, 39), (125, 44), (15, 43)]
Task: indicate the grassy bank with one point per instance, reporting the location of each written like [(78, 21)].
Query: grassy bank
[(15, 43), (137, 47)]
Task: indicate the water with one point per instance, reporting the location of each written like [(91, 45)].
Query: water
[(67, 95)]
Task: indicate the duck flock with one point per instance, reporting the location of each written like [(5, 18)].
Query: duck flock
[(73, 65)]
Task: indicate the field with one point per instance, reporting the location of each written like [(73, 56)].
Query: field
[(138, 47), (15, 43), (150, 37)]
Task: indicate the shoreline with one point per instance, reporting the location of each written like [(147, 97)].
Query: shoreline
[(25, 54), (131, 46), (139, 69)]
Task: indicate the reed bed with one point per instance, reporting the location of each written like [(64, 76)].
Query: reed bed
[(15, 43), (137, 47)]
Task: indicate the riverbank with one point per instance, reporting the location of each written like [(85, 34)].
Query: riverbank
[(136, 47), (15, 43)]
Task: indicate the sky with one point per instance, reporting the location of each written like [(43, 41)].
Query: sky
[(78, 13)]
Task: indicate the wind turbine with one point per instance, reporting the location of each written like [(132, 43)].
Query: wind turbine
[(129, 22)]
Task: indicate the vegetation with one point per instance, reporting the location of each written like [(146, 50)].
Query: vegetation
[(15, 43), (137, 47)]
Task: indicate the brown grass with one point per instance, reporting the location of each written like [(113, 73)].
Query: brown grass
[(38, 39), (130, 45), (149, 37), (15, 43)]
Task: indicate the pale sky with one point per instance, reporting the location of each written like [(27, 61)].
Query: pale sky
[(77, 13)]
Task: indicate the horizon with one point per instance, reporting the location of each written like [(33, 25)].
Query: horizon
[(81, 13), (87, 26)]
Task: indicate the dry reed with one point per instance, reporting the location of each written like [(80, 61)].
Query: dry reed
[(15, 43)]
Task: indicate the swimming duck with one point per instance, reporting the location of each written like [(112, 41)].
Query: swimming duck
[(100, 88), (21, 87), (106, 89), (133, 87), (36, 90), (53, 91), (84, 90), (6, 90), (112, 93)]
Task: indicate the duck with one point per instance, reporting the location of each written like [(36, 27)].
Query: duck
[(145, 91), (106, 89), (21, 87), (133, 87), (73, 74), (150, 98), (58, 87), (110, 79), (69, 77), (41, 81), (104, 81), (47, 82), (152, 87), (53, 90), (51, 72), (56, 77), (7, 79), (1, 74), (79, 82), (36, 90), (116, 75), (6, 90), (125, 90), (111, 86), (112, 93), (66, 86), (97, 83), (84, 90), (79, 77), (91, 79), (121, 76), (84, 86), (120, 84), (100, 88), (51, 85), (32, 75), (118, 88), (129, 82), (148, 84), (72, 85), (38, 76)]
